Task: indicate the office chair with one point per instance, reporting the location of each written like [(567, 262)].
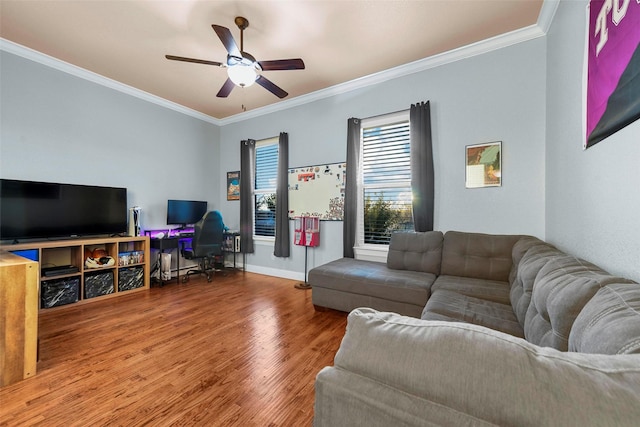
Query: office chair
[(206, 245)]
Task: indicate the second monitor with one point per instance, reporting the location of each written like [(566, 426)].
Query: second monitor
[(185, 212)]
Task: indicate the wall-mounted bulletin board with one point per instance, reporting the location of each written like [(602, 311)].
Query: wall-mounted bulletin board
[(317, 191)]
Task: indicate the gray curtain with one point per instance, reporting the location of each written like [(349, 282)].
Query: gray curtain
[(351, 188), (281, 248), (421, 166), (247, 168)]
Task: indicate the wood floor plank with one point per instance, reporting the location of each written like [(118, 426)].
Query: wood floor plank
[(242, 350)]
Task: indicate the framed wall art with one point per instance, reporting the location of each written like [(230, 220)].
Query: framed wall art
[(483, 165), (233, 185)]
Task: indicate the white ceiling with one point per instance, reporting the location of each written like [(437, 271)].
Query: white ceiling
[(339, 40)]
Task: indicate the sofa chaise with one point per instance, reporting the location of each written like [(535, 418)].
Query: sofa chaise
[(478, 329)]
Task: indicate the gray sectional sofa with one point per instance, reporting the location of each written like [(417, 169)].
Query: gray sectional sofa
[(477, 329)]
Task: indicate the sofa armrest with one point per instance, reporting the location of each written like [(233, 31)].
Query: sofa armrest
[(489, 375)]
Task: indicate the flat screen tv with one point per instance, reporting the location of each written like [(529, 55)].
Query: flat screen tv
[(35, 210), (185, 212)]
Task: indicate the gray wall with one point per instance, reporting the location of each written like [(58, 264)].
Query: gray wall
[(61, 128), (593, 196), (497, 96)]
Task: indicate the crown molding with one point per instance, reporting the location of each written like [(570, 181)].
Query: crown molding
[(65, 67), (545, 18), (548, 11)]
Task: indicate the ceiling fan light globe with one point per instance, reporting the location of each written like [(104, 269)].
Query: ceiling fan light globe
[(242, 75)]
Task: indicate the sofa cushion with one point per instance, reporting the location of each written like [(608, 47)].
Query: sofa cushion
[(483, 256), (490, 290), (455, 307), (525, 274), (610, 322), (562, 287), (374, 279), (416, 251), (520, 247)]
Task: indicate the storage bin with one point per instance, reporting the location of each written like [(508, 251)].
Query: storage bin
[(31, 254), (130, 278), (97, 284), (59, 292)]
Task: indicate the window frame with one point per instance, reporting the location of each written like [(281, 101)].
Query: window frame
[(370, 251), (263, 191)]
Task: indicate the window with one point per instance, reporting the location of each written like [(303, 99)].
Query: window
[(385, 193), (265, 187)]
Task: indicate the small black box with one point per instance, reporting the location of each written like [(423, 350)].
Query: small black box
[(97, 284), (59, 292), (130, 278)]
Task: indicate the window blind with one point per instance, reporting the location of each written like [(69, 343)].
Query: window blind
[(266, 178), (266, 167), (386, 177)]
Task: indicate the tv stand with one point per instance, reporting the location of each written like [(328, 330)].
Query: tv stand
[(129, 273)]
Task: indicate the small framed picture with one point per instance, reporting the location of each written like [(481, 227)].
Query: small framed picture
[(484, 165), (233, 185)]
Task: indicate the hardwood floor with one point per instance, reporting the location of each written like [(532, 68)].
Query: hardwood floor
[(243, 350)]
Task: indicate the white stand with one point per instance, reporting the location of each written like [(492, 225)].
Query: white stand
[(165, 266)]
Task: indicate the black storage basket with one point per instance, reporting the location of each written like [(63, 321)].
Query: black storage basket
[(130, 278), (58, 292), (98, 284)]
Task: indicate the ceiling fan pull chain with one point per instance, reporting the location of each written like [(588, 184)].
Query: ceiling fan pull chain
[(244, 108)]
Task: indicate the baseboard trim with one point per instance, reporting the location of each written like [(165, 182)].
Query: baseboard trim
[(276, 272)]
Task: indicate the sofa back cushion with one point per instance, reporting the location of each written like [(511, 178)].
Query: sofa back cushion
[(416, 251), (519, 249), (481, 256), (524, 272), (610, 322), (562, 287)]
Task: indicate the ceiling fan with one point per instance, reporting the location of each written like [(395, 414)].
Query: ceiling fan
[(242, 68)]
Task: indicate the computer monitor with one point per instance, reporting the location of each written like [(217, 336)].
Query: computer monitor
[(185, 212)]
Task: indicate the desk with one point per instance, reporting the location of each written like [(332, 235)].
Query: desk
[(231, 245), (167, 243)]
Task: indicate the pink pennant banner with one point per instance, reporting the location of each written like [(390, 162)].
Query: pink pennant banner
[(613, 67)]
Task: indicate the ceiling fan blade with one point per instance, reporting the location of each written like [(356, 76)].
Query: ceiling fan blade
[(227, 40), (282, 64), (226, 88), (271, 87), (197, 61)]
